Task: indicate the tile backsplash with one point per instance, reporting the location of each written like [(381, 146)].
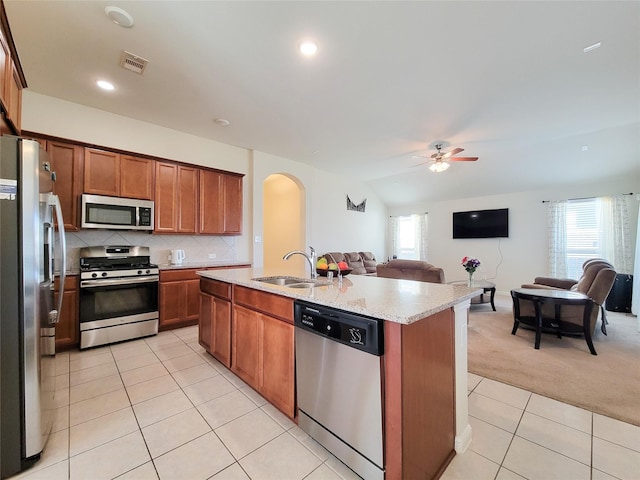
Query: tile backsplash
[(196, 247)]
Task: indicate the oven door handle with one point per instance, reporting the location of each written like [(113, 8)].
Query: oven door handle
[(117, 281)]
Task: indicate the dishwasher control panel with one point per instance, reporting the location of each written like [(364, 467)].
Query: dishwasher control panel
[(357, 331)]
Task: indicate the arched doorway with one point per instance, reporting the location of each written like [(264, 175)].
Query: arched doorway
[(283, 213)]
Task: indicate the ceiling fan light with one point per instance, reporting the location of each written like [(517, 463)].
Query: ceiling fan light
[(438, 167)]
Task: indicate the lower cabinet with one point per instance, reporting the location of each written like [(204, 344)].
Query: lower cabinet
[(215, 319), (262, 345), (68, 326), (179, 298)]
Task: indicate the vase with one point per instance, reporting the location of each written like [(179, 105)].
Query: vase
[(470, 279)]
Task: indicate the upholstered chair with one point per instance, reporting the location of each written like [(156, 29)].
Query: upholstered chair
[(411, 270), (575, 285), (596, 282)]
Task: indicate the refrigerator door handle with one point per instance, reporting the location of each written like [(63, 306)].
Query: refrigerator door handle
[(54, 316)]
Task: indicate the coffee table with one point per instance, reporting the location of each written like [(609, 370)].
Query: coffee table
[(486, 286), (557, 298)]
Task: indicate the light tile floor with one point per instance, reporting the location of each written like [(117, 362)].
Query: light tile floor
[(163, 408)]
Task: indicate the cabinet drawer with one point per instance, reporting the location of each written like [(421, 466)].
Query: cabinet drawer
[(216, 288), (177, 275), (274, 305)]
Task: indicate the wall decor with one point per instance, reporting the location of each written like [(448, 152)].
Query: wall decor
[(356, 208)]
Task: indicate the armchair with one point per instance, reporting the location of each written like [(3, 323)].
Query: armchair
[(580, 285), (596, 282)]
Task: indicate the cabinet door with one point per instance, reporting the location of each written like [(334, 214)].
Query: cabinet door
[(211, 204), (68, 326), (205, 323), (232, 192), (245, 345), (5, 64), (172, 303), (278, 376), (187, 199), (66, 162), (192, 299), (166, 198), (221, 332), (101, 172), (14, 111), (136, 177)]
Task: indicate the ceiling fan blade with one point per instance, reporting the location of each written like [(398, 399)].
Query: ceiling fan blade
[(419, 156), (463, 159), (436, 155), (455, 151)]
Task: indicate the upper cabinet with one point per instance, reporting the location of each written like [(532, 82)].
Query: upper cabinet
[(220, 203), (66, 162), (11, 81), (176, 202), (111, 174)]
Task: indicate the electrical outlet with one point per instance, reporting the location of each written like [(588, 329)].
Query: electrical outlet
[(212, 256)]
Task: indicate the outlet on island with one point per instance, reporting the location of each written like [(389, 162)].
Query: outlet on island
[(212, 256)]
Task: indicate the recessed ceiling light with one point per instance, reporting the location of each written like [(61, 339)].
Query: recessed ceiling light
[(308, 48), (119, 16), (592, 47), (223, 122), (103, 84), (585, 148)]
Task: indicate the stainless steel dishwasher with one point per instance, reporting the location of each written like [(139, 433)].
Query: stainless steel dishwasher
[(339, 384)]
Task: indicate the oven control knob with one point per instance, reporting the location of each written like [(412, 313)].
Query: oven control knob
[(104, 274), (148, 272), (94, 275), (139, 272)]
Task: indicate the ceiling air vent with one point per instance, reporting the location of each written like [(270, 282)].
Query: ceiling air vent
[(132, 62)]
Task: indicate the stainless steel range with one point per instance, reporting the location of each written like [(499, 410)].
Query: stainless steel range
[(118, 294)]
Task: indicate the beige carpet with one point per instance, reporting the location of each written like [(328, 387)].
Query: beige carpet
[(562, 369)]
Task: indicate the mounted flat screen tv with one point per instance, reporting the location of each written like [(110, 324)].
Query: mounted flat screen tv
[(481, 224)]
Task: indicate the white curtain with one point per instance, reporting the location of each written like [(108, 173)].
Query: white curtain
[(615, 235), (423, 237), (556, 224), (393, 237)]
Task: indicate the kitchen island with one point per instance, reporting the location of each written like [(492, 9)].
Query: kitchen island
[(248, 325)]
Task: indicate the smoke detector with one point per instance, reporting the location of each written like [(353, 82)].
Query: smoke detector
[(132, 62)]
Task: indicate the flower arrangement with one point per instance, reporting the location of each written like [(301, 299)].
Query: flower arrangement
[(470, 264)]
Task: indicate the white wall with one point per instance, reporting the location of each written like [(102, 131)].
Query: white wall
[(509, 262), (330, 227)]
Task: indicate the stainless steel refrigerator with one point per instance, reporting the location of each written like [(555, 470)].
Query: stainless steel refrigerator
[(27, 311)]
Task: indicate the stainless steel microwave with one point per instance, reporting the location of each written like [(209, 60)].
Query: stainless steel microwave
[(116, 213)]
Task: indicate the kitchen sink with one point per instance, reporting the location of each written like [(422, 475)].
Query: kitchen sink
[(292, 282)]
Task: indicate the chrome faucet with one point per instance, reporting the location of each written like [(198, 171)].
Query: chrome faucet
[(311, 258)]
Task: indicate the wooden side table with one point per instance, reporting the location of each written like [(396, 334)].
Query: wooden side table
[(557, 298), (486, 286)]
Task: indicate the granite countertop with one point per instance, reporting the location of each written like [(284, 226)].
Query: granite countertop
[(203, 264), (400, 301)]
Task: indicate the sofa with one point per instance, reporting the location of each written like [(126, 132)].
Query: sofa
[(360, 263), (411, 270)]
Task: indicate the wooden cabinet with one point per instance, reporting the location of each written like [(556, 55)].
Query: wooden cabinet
[(5, 61), (111, 174), (136, 177), (262, 345), (68, 326), (179, 303), (215, 319), (176, 198), (220, 203), (14, 84), (67, 163), (11, 85), (101, 172)]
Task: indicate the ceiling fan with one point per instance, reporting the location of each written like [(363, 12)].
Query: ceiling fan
[(440, 161)]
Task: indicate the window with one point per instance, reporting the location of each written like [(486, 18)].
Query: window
[(588, 228), (583, 229), (409, 237)]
